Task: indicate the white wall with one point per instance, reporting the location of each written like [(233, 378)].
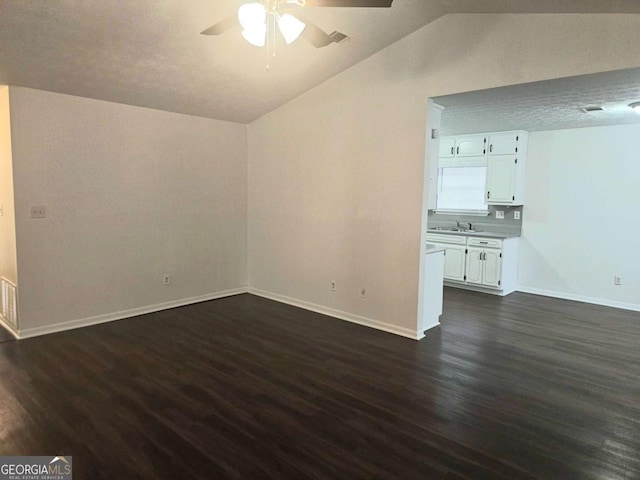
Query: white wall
[(8, 263), (336, 175), (581, 223), (131, 193)]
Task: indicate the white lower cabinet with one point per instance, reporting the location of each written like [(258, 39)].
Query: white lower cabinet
[(474, 266), (479, 263), (455, 248), (454, 262), (483, 267)]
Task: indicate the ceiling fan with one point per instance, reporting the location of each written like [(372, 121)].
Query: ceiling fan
[(259, 18)]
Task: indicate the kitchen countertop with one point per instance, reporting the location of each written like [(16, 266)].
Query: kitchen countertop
[(475, 234), (431, 248)]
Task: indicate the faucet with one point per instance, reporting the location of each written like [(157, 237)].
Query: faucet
[(460, 228)]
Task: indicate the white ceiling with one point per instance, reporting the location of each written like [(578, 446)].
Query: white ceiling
[(150, 52), (549, 105)]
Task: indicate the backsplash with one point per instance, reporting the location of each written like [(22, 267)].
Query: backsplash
[(490, 223)]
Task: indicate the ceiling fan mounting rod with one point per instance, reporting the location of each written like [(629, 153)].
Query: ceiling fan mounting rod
[(273, 6)]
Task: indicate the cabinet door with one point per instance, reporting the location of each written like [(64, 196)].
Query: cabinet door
[(447, 147), (454, 261), (491, 268), (471, 146), (503, 144), (501, 179), (474, 265)]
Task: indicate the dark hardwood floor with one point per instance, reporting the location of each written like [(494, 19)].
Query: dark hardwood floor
[(507, 388), (5, 335)]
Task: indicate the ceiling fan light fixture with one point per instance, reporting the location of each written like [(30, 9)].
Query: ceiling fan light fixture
[(252, 15), (290, 27), (256, 36)]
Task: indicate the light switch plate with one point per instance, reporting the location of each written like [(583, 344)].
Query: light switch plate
[(500, 214)]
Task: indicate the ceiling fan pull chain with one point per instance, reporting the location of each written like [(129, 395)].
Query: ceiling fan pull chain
[(273, 35), (268, 42), (268, 57)]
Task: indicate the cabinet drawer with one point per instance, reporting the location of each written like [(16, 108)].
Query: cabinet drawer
[(443, 238), (485, 242)]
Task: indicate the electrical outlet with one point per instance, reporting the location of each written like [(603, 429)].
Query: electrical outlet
[(333, 285), (516, 215), (363, 293), (39, 211), (617, 280), (500, 214), (166, 279)]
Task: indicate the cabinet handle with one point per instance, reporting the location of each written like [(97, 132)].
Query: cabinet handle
[(451, 150), (480, 257), (458, 151), (484, 243), (488, 195), (491, 148)]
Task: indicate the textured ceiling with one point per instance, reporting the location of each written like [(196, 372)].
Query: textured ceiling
[(150, 53), (548, 105)]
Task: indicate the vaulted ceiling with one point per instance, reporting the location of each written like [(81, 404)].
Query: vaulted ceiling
[(150, 52)]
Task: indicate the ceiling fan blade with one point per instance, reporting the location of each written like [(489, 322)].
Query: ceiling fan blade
[(349, 3), (222, 26), (315, 35)]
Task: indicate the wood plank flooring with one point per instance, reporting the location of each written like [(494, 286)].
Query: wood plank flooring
[(5, 335), (520, 387)]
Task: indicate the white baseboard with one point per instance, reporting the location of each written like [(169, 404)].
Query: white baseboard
[(472, 288), (331, 312), (134, 312), (8, 327), (579, 298)]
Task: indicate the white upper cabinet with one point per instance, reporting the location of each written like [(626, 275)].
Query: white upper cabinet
[(447, 147), (505, 168), (502, 172), (504, 154), (504, 143), (471, 146)]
